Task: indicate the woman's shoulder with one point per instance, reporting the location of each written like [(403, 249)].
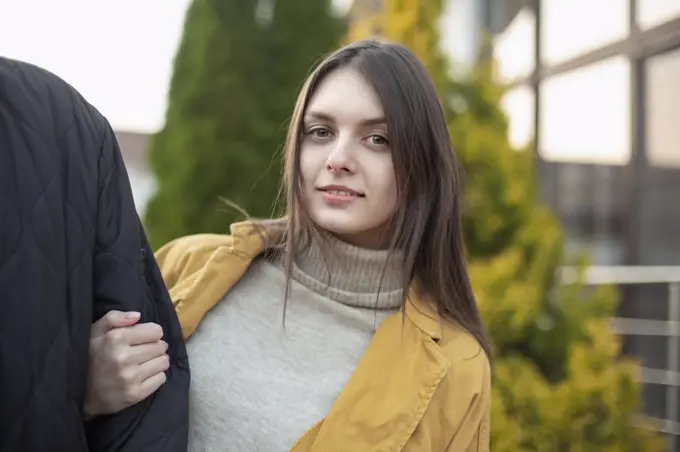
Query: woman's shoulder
[(460, 348), (191, 244), (243, 236), (469, 361), (186, 255), (189, 247)]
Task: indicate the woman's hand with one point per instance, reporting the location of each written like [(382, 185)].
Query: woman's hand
[(127, 363)]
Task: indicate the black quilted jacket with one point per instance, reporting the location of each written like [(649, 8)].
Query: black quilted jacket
[(71, 249)]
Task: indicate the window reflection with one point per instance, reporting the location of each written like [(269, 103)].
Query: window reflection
[(514, 47), (590, 202), (651, 13), (518, 104), (662, 119), (585, 114), (570, 28)]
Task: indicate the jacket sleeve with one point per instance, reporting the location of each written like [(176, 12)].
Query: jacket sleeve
[(481, 438), (477, 420), (126, 277)]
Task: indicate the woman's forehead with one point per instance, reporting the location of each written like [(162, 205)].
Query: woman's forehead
[(345, 96)]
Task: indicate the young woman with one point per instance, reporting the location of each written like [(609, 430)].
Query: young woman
[(349, 325)]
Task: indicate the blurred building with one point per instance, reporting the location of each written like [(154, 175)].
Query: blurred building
[(597, 86), (595, 89), (134, 147), (595, 92)]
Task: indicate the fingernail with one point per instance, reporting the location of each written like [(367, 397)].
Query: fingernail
[(132, 315)]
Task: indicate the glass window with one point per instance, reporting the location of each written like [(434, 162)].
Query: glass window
[(662, 121), (570, 28), (460, 30), (651, 13), (585, 114), (590, 202), (659, 217), (518, 104), (600, 250), (514, 47), (660, 184)]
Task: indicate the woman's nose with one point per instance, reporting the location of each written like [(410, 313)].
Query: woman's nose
[(340, 158)]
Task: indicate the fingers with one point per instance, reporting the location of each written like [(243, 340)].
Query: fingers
[(127, 364), (151, 385), (137, 382), (114, 319), (145, 333), (149, 377), (142, 333), (145, 352), (152, 367)]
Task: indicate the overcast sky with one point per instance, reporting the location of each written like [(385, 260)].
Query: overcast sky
[(118, 54)]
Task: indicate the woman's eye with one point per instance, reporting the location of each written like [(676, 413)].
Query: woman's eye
[(378, 140), (320, 133)]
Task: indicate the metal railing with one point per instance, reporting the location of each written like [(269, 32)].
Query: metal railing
[(669, 328)]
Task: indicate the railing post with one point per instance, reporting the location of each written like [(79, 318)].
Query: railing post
[(673, 363)]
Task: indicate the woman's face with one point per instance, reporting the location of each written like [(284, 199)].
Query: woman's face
[(346, 166)]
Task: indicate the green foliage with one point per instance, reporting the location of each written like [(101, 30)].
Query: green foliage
[(560, 383), (236, 76), (412, 22)]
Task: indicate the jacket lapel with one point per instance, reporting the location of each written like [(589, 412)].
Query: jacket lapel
[(389, 391), (197, 295)]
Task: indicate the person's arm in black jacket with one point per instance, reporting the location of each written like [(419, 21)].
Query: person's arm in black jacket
[(126, 278)]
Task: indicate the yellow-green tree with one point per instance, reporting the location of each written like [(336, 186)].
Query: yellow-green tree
[(237, 72), (559, 381), (405, 21)]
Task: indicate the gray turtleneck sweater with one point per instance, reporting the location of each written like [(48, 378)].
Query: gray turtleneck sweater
[(256, 387)]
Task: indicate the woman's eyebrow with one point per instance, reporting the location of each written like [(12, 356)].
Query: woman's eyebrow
[(380, 120)]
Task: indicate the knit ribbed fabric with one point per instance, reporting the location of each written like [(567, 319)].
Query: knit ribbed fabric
[(349, 274)]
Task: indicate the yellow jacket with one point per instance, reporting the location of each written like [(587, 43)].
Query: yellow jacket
[(437, 395)]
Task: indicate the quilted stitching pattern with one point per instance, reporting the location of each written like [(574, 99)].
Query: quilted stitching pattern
[(71, 249)]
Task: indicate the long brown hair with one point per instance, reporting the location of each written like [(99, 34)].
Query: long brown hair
[(427, 222)]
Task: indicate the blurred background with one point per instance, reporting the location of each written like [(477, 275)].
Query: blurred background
[(591, 89)]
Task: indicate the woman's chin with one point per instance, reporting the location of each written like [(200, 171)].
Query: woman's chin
[(339, 226)]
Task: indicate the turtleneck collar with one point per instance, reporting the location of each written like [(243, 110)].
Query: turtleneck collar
[(349, 274)]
